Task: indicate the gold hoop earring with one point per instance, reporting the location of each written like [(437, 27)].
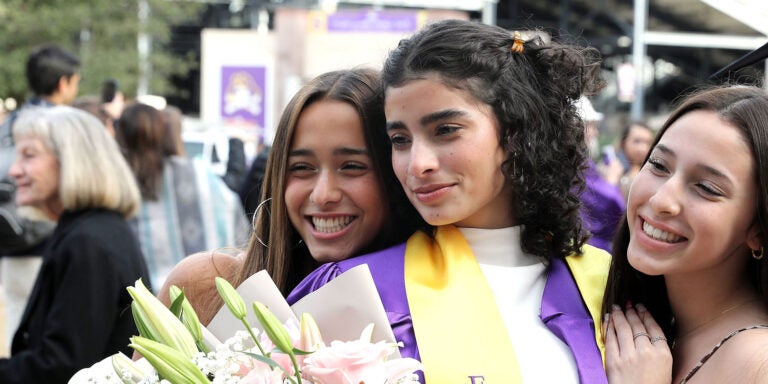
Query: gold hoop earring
[(253, 221), (757, 255)]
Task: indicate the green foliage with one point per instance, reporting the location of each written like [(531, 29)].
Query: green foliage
[(102, 33)]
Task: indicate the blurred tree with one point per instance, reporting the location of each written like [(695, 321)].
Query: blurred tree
[(102, 33)]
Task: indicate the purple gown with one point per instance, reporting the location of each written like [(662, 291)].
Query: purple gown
[(562, 308)]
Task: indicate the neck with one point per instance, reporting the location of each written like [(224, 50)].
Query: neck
[(698, 304), (53, 211), (54, 98)]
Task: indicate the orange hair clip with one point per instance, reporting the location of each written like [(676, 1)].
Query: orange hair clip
[(518, 44)]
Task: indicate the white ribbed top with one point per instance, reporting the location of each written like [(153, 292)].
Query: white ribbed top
[(517, 280)]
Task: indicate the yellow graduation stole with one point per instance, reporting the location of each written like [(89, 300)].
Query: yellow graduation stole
[(461, 336), (590, 272)]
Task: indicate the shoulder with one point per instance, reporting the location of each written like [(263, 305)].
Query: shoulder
[(100, 230), (196, 276), (744, 358), (385, 265), (592, 261), (197, 272), (382, 257)]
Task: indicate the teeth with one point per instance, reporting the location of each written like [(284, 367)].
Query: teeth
[(330, 225), (660, 235)]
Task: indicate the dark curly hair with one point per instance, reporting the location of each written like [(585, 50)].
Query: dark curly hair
[(532, 94)]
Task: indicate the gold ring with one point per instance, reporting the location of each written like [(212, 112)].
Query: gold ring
[(658, 338), (636, 335)]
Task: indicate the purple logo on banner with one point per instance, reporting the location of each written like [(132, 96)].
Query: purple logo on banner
[(242, 95), (373, 21)]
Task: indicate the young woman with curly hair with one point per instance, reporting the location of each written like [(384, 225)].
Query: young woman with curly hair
[(489, 148)]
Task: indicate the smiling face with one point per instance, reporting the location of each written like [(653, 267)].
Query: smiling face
[(332, 194), (446, 155), (36, 173), (692, 206)]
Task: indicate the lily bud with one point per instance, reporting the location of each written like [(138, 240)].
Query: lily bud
[(310, 337), (169, 363), (231, 298), (158, 321), (188, 316), (126, 370), (273, 328)]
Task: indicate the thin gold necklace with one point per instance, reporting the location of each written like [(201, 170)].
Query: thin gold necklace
[(721, 314)]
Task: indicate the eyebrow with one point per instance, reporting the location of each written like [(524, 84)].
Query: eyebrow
[(343, 151), (430, 118), (710, 170)]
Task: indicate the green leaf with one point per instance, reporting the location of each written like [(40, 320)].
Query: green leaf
[(177, 297)]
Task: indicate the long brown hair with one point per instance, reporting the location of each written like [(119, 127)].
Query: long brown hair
[(142, 134)]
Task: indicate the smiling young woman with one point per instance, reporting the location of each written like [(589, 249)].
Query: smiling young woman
[(688, 264)]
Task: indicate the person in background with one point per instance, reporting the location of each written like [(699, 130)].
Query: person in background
[(686, 296), (236, 167), (53, 77), (635, 143), (70, 170), (186, 207), (94, 106), (112, 98), (487, 145), (603, 204), (250, 189), (173, 119), (329, 193)]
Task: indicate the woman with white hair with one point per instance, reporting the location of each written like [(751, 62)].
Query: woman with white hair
[(71, 171)]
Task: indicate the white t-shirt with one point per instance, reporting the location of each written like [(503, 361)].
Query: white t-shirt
[(517, 280)]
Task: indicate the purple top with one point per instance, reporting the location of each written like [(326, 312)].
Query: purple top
[(562, 308), (603, 207)]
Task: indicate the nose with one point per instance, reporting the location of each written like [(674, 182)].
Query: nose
[(423, 159), (666, 200), (15, 170), (326, 190)]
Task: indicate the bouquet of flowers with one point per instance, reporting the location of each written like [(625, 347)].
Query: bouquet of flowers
[(171, 342)]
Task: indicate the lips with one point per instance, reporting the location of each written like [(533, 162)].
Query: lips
[(432, 192)]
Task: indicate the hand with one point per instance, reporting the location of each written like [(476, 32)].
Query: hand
[(636, 350), (612, 171)]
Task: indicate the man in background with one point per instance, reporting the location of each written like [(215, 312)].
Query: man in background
[(52, 76)]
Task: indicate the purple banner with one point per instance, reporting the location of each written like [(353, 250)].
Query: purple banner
[(373, 21), (242, 95)]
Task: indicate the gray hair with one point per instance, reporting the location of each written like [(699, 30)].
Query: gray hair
[(93, 171)]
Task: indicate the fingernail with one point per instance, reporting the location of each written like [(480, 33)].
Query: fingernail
[(640, 307), (616, 307), (606, 317)]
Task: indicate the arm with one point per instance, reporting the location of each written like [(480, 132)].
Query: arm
[(73, 322)]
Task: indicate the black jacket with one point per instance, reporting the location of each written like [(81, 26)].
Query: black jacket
[(79, 310)]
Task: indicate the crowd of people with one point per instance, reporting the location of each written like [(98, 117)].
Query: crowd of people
[(465, 174)]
